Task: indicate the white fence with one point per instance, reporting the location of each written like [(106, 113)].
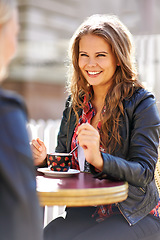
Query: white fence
[(148, 61), (47, 131)]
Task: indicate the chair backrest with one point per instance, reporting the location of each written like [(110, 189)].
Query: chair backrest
[(157, 173)]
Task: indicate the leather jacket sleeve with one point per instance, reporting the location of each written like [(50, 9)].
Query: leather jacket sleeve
[(136, 160)]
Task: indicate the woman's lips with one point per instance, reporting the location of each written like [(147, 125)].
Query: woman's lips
[(93, 74)]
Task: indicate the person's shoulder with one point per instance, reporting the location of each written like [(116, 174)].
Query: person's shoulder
[(68, 102), (139, 95), (140, 100), (12, 99)]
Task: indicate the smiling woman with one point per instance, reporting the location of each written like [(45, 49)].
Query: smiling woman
[(115, 123), (97, 62)]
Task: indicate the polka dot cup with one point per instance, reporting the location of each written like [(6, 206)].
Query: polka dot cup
[(59, 162)]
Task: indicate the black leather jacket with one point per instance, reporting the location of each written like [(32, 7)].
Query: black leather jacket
[(135, 161)]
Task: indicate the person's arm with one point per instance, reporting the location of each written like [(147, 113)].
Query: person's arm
[(138, 168), (19, 204)]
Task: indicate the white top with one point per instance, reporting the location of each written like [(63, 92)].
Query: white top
[(81, 158)]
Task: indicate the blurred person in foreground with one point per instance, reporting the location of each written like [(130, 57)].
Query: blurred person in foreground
[(116, 123), (20, 214)]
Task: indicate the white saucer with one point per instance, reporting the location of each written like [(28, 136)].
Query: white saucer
[(50, 173)]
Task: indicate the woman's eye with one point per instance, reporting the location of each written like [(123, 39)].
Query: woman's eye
[(101, 55), (83, 55)]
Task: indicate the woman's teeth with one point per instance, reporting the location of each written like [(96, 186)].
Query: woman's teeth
[(93, 73)]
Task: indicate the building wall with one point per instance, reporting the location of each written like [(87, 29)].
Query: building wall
[(39, 70)]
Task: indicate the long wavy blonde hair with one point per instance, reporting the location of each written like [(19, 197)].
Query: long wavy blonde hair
[(124, 81)]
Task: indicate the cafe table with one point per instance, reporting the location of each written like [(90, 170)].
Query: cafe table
[(79, 189)]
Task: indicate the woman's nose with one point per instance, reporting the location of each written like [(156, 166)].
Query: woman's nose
[(92, 62)]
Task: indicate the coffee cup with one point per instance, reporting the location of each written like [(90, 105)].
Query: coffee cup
[(60, 162)]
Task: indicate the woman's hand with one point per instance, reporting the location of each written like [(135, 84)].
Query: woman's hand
[(89, 140), (39, 152)]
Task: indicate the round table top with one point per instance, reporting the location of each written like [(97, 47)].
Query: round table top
[(80, 190)]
